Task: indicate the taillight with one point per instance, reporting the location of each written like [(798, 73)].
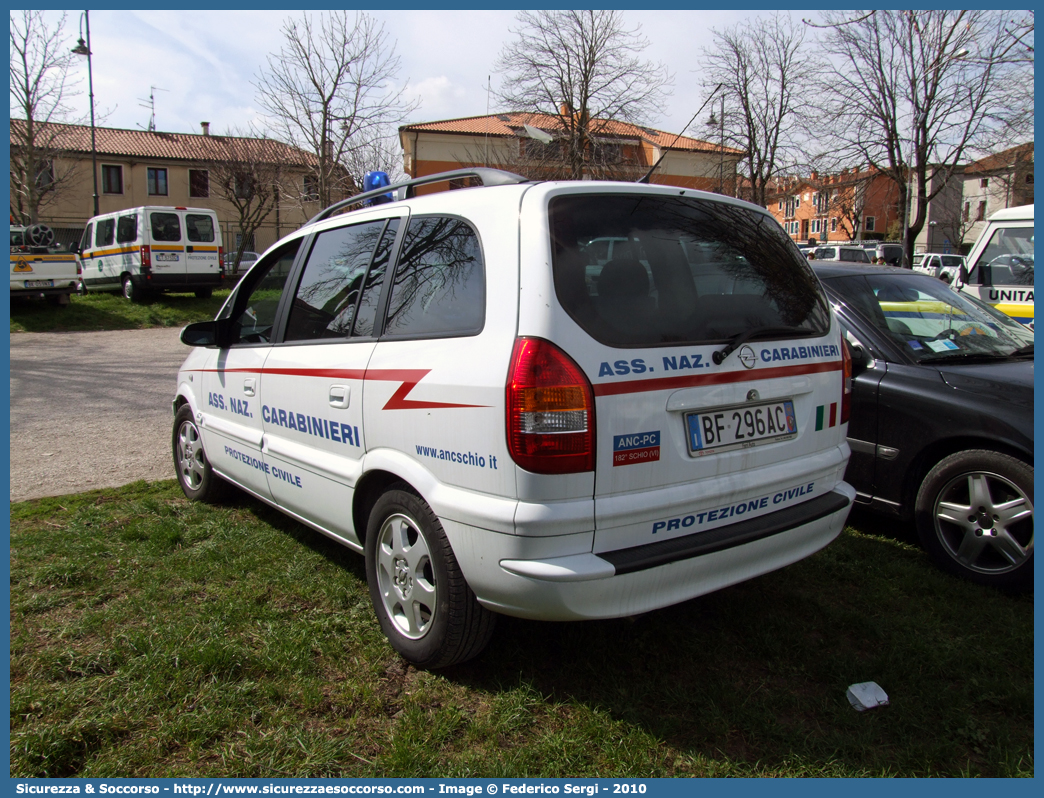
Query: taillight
[(550, 410), (846, 377), (146, 257)]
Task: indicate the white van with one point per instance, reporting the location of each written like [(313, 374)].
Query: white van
[(153, 248), (1001, 264), (456, 386)]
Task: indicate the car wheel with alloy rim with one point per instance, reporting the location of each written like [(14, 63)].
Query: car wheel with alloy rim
[(974, 515)]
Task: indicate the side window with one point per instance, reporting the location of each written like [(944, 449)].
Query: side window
[(165, 226), (85, 241), (127, 229), (440, 282), (326, 299), (366, 316), (104, 232), (199, 227), (254, 308)]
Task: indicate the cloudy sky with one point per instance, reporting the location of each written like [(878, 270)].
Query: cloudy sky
[(203, 63)]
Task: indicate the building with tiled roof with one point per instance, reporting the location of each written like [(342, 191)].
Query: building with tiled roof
[(1001, 180), (851, 205), (530, 144), (143, 167)]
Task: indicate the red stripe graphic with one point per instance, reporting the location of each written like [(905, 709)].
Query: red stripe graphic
[(721, 378), (398, 401), (833, 413)]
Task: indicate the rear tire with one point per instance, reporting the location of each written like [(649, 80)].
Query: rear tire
[(974, 515), (204, 293), (131, 291), (197, 479), (423, 602)]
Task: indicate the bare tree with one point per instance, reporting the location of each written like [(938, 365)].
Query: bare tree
[(378, 151), (246, 173), (912, 93), (40, 92), (584, 68), (766, 73), (330, 91)]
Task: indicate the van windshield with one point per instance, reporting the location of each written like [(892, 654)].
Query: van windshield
[(641, 270)]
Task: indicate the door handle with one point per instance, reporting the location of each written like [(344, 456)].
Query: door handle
[(340, 395), (248, 386)]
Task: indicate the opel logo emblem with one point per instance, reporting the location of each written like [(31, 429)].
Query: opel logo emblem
[(747, 357)]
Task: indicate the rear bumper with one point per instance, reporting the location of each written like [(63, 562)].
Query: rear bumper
[(560, 579), (178, 282)]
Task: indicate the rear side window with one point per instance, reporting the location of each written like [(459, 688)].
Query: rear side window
[(683, 270), (126, 229), (369, 302), (440, 282), (104, 232), (328, 294), (856, 255), (165, 226), (199, 227)]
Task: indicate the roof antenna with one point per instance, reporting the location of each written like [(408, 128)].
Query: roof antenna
[(489, 88), (664, 153), (152, 106)]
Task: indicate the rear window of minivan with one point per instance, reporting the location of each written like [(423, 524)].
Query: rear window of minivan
[(165, 226), (199, 227), (683, 270)]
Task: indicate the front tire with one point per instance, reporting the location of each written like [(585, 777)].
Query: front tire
[(204, 293), (974, 515), (424, 605), (197, 479)]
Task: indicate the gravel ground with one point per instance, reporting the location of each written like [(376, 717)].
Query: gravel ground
[(91, 409)]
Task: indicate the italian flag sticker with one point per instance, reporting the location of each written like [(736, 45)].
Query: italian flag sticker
[(826, 418)]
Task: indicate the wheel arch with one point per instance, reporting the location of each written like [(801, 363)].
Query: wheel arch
[(371, 486), (933, 453)]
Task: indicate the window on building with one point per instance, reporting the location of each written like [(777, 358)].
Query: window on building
[(245, 186), (984, 183), (199, 183), (311, 188), (967, 211), (157, 182), (833, 224), (112, 179), (982, 211), (45, 174), (781, 204), (869, 223)]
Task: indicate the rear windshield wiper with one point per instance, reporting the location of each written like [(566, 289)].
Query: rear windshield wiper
[(738, 341)]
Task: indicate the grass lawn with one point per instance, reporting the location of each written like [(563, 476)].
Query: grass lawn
[(110, 311), (154, 637)]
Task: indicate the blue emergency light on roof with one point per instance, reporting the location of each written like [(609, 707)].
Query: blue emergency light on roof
[(375, 180)]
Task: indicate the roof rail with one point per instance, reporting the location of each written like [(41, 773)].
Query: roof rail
[(406, 189)]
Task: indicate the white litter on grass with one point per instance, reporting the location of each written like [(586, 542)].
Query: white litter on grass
[(867, 695)]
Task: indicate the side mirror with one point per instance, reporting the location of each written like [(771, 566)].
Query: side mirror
[(206, 333), (860, 359), (986, 274), (963, 274)]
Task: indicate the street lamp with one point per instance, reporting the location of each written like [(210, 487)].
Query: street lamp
[(83, 49), (931, 236)]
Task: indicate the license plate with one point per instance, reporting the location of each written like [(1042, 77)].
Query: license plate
[(39, 283), (741, 426)]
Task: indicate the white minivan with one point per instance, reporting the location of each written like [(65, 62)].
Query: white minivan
[(459, 387), (150, 249)]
